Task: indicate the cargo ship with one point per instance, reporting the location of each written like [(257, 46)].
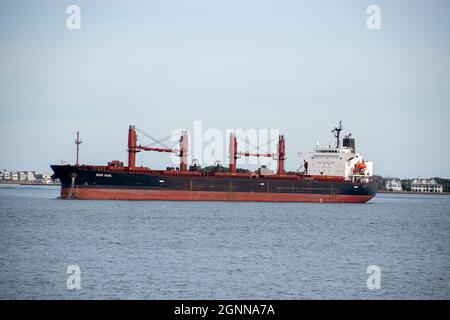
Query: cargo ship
[(330, 174)]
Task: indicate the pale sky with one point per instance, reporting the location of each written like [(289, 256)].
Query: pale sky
[(297, 66)]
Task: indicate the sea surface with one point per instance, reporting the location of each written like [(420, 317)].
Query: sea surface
[(217, 250)]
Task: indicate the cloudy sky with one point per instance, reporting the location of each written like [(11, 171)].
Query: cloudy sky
[(296, 66)]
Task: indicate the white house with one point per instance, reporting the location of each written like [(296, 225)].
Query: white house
[(426, 185), (30, 176), (394, 185), (14, 176), (22, 176), (47, 178)]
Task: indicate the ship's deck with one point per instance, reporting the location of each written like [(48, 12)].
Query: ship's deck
[(293, 176)]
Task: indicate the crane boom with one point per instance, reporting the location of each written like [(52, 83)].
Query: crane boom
[(133, 148)]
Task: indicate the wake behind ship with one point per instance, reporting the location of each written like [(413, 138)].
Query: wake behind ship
[(330, 175)]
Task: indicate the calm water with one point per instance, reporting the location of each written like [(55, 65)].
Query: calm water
[(201, 250)]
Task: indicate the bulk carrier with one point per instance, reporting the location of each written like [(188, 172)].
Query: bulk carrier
[(331, 174)]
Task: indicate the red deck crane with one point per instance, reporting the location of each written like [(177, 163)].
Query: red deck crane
[(182, 152), (133, 148), (280, 155)]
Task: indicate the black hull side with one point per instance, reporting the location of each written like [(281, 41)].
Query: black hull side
[(88, 178)]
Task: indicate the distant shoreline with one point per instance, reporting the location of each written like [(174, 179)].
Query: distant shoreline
[(411, 192), (29, 183), (58, 184)]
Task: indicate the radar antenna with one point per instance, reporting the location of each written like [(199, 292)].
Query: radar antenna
[(337, 132)]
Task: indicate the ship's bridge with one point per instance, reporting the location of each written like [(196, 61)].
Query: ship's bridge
[(330, 150), (339, 162)]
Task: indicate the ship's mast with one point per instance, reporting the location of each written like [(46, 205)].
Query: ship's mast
[(281, 155), (132, 150), (233, 153), (78, 142), (337, 133)]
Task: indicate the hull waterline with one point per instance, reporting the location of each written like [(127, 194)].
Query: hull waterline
[(143, 195)]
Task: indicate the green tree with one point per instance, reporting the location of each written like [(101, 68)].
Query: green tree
[(406, 184)]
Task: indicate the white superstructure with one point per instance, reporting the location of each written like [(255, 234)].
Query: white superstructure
[(340, 161)]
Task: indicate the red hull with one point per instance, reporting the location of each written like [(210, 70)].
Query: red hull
[(133, 194)]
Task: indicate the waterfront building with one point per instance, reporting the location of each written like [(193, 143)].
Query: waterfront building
[(30, 176), (426, 185), (394, 185), (6, 175), (47, 178), (22, 176)]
